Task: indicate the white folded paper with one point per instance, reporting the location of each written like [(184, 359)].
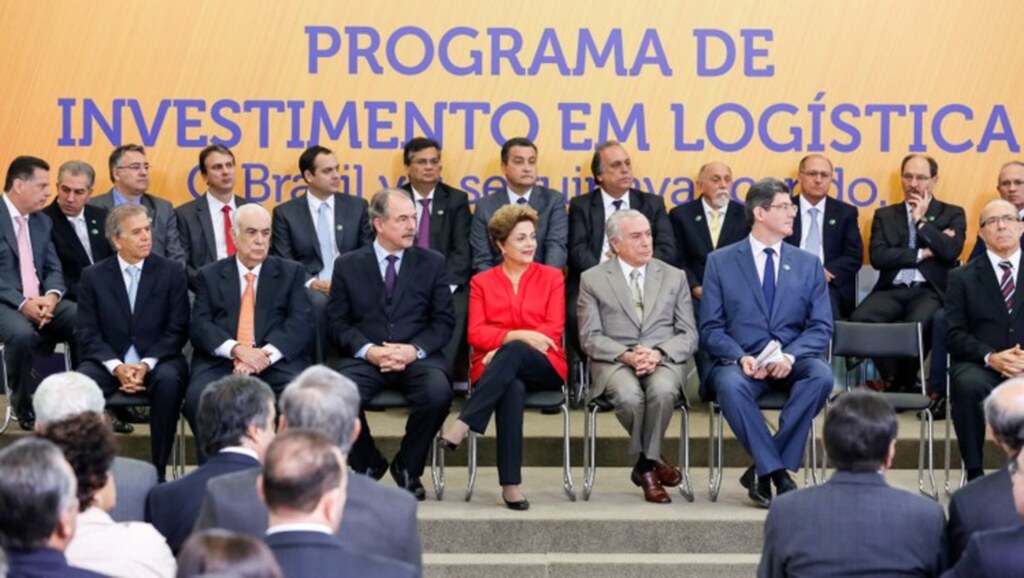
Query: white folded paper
[(770, 354)]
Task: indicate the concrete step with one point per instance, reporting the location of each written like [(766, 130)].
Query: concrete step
[(589, 565)]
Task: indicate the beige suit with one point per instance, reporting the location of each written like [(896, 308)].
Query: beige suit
[(609, 327)]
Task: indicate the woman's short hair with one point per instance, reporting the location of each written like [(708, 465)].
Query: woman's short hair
[(506, 218), (89, 446), (217, 552)]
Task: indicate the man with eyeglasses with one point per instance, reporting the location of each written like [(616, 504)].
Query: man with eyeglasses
[(129, 171), (1011, 189), (828, 228), (914, 245), (765, 299)]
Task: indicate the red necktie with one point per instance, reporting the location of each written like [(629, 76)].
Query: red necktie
[(228, 241)]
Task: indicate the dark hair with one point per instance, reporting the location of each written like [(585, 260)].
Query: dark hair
[(518, 141), (218, 552), (89, 446), (116, 154), (228, 407), (933, 167), (595, 162), (35, 488), (761, 194), (859, 428), (23, 168), (307, 160), (214, 148), (299, 468), (416, 145)]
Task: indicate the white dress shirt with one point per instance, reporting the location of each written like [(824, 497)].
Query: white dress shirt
[(81, 229), (609, 208), (760, 259), (513, 198)]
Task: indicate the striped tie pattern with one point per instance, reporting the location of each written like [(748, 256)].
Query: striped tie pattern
[(1006, 285)]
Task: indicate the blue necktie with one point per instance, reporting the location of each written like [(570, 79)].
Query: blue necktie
[(521, 201), (813, 241), (323, 235), (618, 205), (133, 288), (768, 283)]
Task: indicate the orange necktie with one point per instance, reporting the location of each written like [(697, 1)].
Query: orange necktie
[(247, 313)]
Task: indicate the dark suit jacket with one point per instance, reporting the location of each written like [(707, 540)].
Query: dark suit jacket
[(133, 479), (166, 241), (294, 232), (977, 320), (106, 327), (984, 504), (693, 237), (283, 312), (195, 225), (44, 255), (172, 508), (552, 228), (314, 554), (377, 519), (420, 312), (43, 563), (586, 230), (449, 229), (853, 525), (70, 251), (842, 247), (890, 237), (992, 554)]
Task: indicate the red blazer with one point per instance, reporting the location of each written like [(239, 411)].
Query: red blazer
[(494, 310)]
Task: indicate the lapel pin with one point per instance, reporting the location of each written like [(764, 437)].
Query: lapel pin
[(931, 217), (832, 222), (94, 232), (339, 227), (440, 212), (785, 266), (700, 218)]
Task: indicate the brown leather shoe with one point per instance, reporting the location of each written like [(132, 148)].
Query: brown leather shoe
[(669, 475), (653, 490), (879, 385)]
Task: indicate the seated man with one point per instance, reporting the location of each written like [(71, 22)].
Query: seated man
[(855, 524), (132, 324), (637, 328), (236, 424), (390, 315), (304, 484), (251, 315), (38, 498), (758, 293)]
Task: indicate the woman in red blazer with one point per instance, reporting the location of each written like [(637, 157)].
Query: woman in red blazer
[(516, 320)]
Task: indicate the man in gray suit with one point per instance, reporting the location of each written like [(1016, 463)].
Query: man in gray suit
[(855, 524), (519, 163), (637, 328), (376, 519), (63, 395), (33, 317), (129, 171)]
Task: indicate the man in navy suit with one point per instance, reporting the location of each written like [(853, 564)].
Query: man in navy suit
[(132, 323), (1010, 186), (390, 316), (275, 346), (33, 315), (828, 228), (304, 485), (205, 223), (758, 291), (315, 228), (235, 425)]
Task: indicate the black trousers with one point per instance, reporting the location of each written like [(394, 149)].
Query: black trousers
[(896, 304), (429, 392), (515, 369), (970, 385), (22, 341)]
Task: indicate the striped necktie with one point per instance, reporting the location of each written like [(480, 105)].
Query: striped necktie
[(1006, 285)]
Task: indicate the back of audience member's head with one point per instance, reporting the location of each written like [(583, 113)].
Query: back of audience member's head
[(228, 408), (304, 475), (323, 400), (37, 496), (89, 446), (860, 429), (226, 554), (1004, 414), (65, 394)]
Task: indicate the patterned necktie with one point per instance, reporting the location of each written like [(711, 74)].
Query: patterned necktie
[(715, 227), (637, 295), (768, 283), (423, 235), (26, 261), (229, 243), (133, 289), (247, 313), (390, 277), (813, 241), (906, 276), (1006, 285), (323, 235)]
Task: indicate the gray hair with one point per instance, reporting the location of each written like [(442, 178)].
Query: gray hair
[(75, 168), (65, 394), (247, 210), (1006, 420), (118, 215), (323, 400), (36, 486), (612, 226), (379, 203)]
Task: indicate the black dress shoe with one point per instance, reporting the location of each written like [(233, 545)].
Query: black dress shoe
[(121, 427), (408, 482), (376, 471), (26, 419), (784, 483), (759, 489), (519, 506)]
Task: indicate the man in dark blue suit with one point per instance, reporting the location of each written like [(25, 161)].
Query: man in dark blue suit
[(756, 292), (236, 424), (390, 315), (304, 485), (828, 229), (33, 315), (132, 323)]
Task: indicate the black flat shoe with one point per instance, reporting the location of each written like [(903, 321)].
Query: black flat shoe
[(407, 482), (520, 506)]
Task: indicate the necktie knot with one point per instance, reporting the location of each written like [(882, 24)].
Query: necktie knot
[(133, 271), (1006, 266), (769, 251), (226, 209), (391, 259), (20, 219), (250, 277), (521, 201), (618, 204)]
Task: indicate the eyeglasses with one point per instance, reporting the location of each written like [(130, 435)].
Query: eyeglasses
[(1017, 183), (786, 207), (1004, 219), (817, 174), (427, 162), (135, 167), (916, 178)]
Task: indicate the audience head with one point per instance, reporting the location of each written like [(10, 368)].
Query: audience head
[(323, 400), (714, 182), (130, 232), (629, 237), (612, 168), (319, 168), (236, 411), (75, 181), (519, 164), (770, 210), (89, 447), (65, 394), (1004, 415), (129, 170), (918, 175), (251, 233), (860, 432), (1011, 183), (513, 228), (1000, 227), (303, 479), (422, 158), (218, 552), (394, 219), (217, 165), (37, 496), (815, 177), (28, 184)]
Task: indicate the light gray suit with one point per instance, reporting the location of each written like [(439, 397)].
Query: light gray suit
[(166, 241), (552, 228), (132, 479), (609, 327)]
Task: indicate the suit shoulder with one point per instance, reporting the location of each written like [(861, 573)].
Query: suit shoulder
[(287, 266), (160, 203), (892, 211), (188, 208), (669, 270), (351, 201), (455, 192), (290, 205), (582, 201), (357, 254)]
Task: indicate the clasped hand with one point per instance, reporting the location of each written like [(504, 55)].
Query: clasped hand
[(131, 376), (391, 357), (1009, 362)]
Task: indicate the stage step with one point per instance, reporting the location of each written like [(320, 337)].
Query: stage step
[(589, 565)]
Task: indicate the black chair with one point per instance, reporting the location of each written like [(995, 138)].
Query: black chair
[(126, 400), (393, 399), (947, 484), (62, 349)]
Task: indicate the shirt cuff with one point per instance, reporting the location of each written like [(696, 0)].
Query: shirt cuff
[(986, 359), (111, 365), (150, 361), (789, 358), (420, 354), (59, 294), (309, 282), (225, 349), (920, 257), (361, 354), (274, 353), (453, 287)]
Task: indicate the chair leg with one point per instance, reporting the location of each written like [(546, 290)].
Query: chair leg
[(471, 459), (437, 469), (589, 447), (715, 452), (567, 484), (926, 442), (686, 486), (8, 406), (178, 451)]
